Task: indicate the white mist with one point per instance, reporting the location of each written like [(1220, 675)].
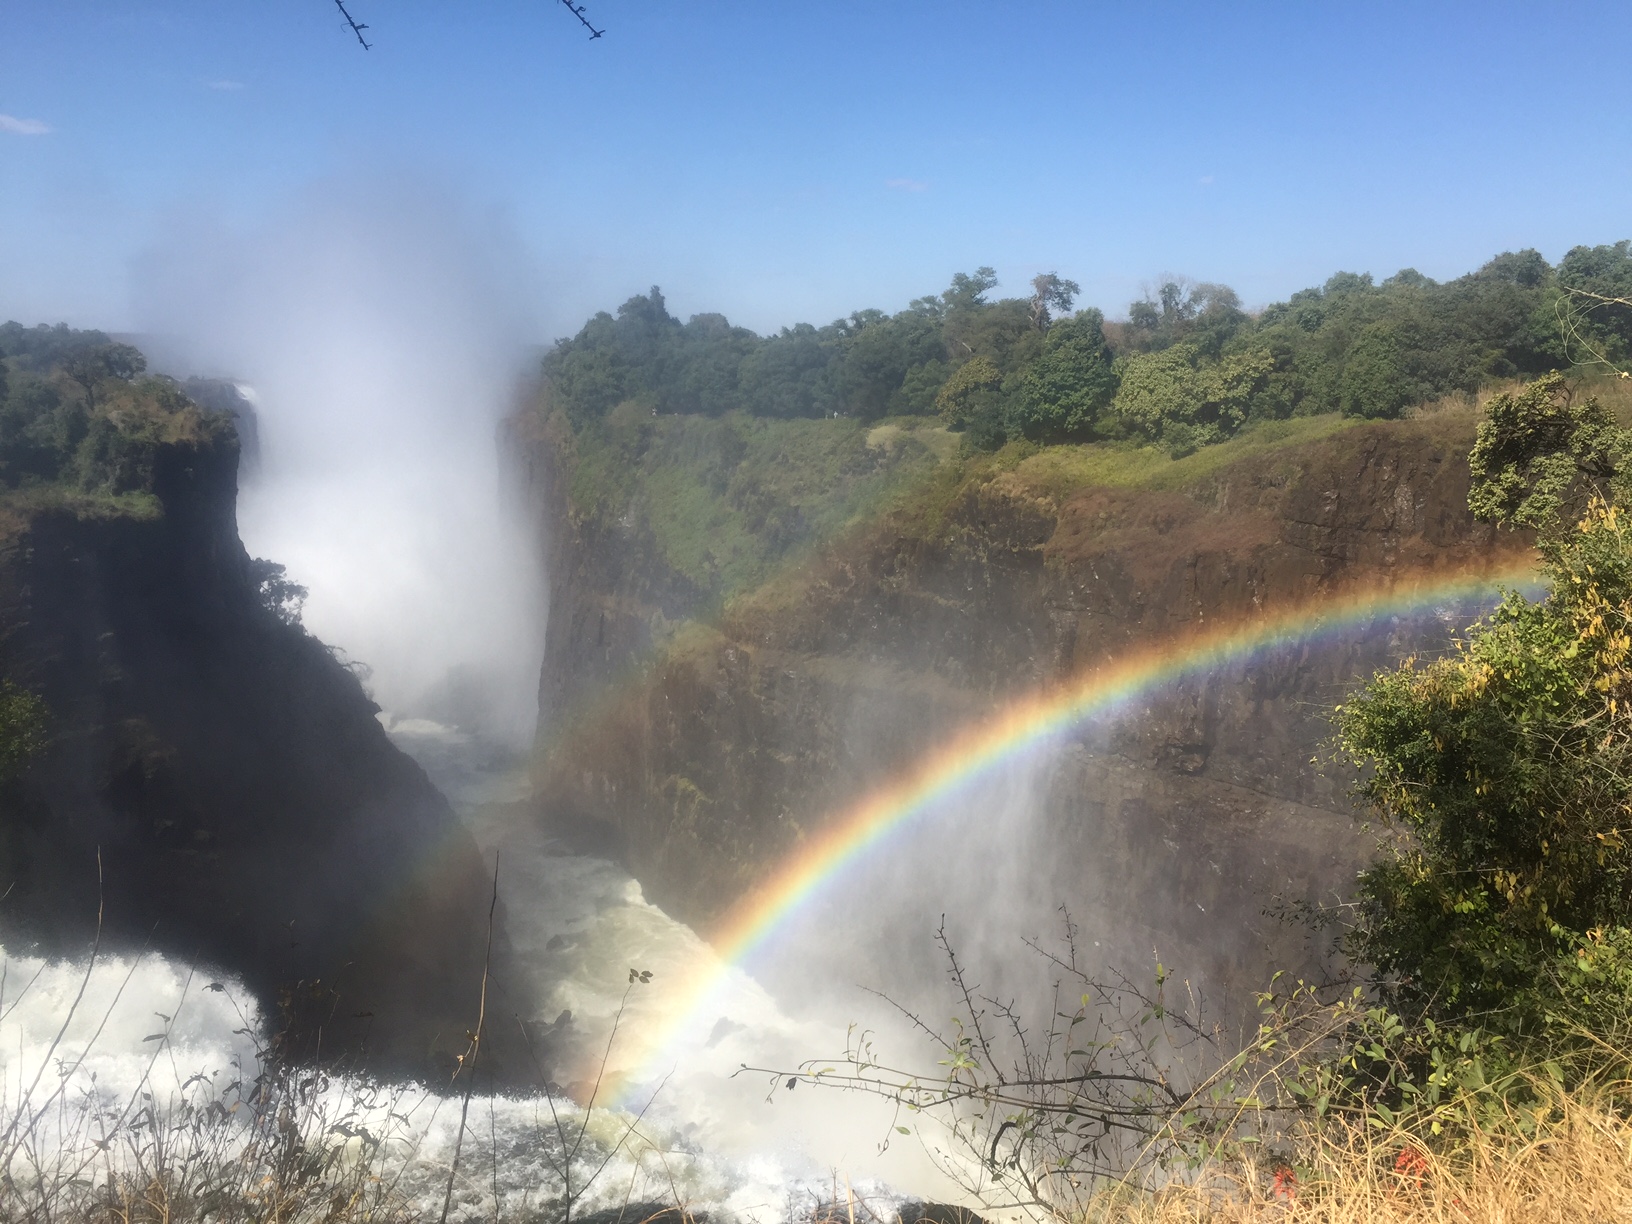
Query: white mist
[(383, 325)]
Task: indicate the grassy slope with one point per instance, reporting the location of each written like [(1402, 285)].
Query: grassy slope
[(735, 503), (726, 500)]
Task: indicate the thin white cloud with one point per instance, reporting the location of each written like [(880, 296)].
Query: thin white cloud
[(224, 84), (1205, 180), (23, 127), (906, 184)]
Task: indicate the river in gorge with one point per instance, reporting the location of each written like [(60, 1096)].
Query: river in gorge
[(676, 1119)]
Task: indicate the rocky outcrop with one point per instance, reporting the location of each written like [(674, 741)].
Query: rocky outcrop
[(713, 750), (217, 781)]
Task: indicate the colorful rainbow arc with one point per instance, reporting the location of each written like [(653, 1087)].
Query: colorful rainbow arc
[(1016, 728)]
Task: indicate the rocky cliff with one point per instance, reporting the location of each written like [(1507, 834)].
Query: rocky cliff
[(219, 779), (711, 743)]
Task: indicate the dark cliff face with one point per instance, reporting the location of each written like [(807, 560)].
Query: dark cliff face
[(247, 807), (712, 752)]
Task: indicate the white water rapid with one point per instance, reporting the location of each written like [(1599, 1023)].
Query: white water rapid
[(105, 1058)]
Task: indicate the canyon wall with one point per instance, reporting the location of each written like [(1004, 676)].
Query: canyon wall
[(217, 782), (711, 738)]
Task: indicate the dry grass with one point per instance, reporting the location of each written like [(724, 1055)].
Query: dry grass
[(1573, 1166), (1615, 393)]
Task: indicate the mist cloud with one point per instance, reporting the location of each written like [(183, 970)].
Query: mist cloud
[(382, 322)]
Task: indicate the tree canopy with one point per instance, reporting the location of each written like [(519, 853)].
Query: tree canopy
[(77, 412), (1187, 367)]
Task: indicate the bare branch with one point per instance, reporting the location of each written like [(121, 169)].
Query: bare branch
[(355, 28), (577, 10)]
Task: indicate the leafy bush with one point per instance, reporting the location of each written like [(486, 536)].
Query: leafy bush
[(972, 401), (22, 727), (1174, 397), (1507, 764)]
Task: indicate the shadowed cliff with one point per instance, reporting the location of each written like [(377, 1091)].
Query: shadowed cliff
[(249, 812)]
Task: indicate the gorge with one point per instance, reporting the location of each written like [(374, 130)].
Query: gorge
[(755, 628)]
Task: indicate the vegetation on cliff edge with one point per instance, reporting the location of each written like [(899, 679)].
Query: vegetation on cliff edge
[(81, 424), (1188, 367)]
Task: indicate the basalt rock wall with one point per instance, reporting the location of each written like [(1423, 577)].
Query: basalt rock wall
[(713, 749), (217, 782)]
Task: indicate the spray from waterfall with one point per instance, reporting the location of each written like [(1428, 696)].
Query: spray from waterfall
[(382, 323)]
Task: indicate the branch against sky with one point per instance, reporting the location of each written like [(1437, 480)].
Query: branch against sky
[(357, 28)]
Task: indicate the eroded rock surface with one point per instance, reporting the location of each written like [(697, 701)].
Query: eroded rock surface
[(714, 742)]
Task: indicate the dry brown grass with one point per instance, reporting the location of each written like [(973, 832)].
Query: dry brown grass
[(1575, 1165), (1615, 393)]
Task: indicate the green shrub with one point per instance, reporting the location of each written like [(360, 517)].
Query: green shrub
[(1507, 764)]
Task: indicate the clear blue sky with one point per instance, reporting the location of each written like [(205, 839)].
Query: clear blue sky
[(783, 160)]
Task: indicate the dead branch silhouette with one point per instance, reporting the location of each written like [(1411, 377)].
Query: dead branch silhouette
[(357, 27), (577, 10)]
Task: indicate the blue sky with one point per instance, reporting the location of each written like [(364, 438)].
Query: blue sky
[(793, 160)]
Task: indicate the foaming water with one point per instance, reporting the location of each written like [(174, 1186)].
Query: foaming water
[(101, 1066), (107, 1063), (583, 929)]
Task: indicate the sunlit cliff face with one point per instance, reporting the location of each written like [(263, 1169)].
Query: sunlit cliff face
[(382, 325)]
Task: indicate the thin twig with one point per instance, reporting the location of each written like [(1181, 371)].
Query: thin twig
[(577, 10), (67, 1019), (355, 28), (475, 1050)]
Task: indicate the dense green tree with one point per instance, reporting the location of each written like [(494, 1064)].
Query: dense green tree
[(94, 365), (1204, 315), (1598, 316), (1378, 379), (879, 354), (1162, 394), (1050, 293), (968, 292), (790, 374), (1064, 391), (1507, 764), (972, 401), (76, 414), (41, 348), (589, 374), (707, 362), (1000, 331), (921, 384)]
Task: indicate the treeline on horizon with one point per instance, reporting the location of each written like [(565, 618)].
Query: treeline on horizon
[(1188, 366)]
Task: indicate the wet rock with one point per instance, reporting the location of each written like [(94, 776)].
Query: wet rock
[(716, 752), (217, 782)]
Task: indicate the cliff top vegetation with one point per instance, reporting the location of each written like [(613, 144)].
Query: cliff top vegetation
[(727, 455), (721, 501), (1189, 366), (81, 421)]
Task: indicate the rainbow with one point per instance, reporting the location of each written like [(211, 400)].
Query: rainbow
[(1027, 723)]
